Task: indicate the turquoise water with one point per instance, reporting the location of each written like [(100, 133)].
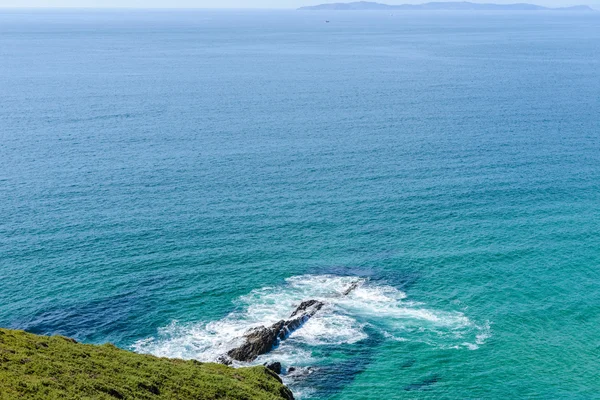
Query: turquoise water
[(168, 179)]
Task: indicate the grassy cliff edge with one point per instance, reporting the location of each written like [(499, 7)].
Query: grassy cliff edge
[(42, 367)]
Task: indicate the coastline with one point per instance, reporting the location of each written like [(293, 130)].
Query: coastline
[(48, 367)]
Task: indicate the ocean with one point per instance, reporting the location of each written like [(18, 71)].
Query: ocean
[(170, 178)]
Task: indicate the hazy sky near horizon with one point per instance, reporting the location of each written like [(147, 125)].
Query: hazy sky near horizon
[(240, 3)]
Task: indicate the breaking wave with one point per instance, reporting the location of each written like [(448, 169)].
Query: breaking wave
[(343, 321)]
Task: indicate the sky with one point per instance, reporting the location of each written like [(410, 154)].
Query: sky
[(241, 3)]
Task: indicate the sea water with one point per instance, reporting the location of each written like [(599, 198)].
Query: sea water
[(169, 179)]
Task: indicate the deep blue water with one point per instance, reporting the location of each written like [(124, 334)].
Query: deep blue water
[(169, 178)]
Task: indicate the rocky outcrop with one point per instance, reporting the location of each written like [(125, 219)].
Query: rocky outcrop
[(308, 307), (274, 366), (261, 340), (303, 313), (258, 341), (284, 391)]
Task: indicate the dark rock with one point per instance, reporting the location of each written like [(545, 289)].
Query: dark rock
[(286, 393), (351, 288), (225, 360), (299, 372), (274, 366), (261, 340), (302, 314), (258, 341), (274, 375), (308, 307)]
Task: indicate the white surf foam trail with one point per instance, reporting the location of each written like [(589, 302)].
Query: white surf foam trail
[(341, 321)]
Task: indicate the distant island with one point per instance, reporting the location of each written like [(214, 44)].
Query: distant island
[(463, 5)]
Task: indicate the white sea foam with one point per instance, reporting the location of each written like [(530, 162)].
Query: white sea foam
[(342, 321)]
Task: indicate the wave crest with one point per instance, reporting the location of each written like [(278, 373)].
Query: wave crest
[(342, 321)]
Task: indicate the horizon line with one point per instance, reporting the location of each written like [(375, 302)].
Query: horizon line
[(9, 7)]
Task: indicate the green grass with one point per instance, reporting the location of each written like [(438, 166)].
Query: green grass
[(41, 367)]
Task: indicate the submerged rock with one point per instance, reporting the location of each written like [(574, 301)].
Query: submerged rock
[(351, 288), (299, 372), (423, 385)]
